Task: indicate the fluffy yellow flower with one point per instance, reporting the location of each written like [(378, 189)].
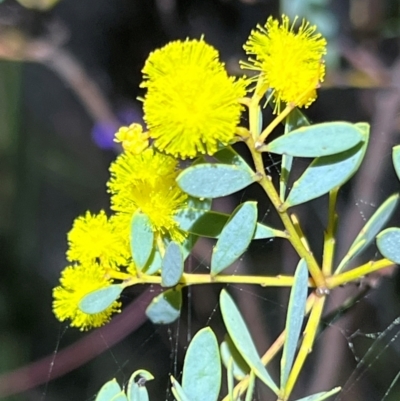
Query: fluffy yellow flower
[(289, 63), (133, 138), (191, 105), (77, 282), (94, 238), (146, 182)]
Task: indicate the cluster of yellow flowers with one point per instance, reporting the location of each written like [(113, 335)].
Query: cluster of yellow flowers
[(191, 107), (99, 246)]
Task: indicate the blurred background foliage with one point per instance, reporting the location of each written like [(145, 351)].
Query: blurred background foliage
[(69, 76)]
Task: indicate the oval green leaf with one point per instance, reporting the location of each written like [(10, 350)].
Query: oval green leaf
[(215, 180), (172, 265), (317, 140), (136, 390), (99, 300), (154, 263), (210, 224), (230, 353), (370, 230), (388, 242), (201, 378), (188, 245), (294, 319), (138, 393), (120, 397), (296, 119), (396, 160), (108, 391), (186, 218), (235, 237), (142, 239), (177, 391), (364, 128), (165, 308), (263, 231), (324, 174), (229, 156), (241, 337), (194, 210)]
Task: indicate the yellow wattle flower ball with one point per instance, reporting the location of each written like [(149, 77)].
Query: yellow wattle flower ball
[(94, 238), (289, 63), (147, 182), (191, 105), (76, 282)]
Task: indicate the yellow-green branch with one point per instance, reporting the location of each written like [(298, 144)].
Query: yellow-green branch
[(196, 279), (357, 273)]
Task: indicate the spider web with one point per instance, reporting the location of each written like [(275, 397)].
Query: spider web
[(366, 345)]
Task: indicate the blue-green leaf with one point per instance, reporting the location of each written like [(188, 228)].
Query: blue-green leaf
[(166, 307), (154, 262), (235, 237), (215, 180), (138, 393), (326, 173), (317, 140), (108, 391), (188, 245), (201, 378), (172, 265), (210, 224), (370, 230), (241, 337), (230, 353), (296, 119), (120, 397), (142, 239), (99, 300), (263, 231), (136, 390), (294, 319), (177, 391), (388, 242), (195, 208), (187, 217), (321, 396), (229, 156), (396, 160)]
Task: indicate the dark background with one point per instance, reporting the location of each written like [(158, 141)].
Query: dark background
[(69, 77)]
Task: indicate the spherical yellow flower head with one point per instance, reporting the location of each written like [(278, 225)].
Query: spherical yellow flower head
[(147, 182), (191, 105), (289, 63), (77, 282), (133, 138), (94, 238)]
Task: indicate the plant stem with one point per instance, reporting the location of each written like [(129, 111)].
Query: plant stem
[(267, 185), (273, 124), (357, 273), (295, 240), (196, 279), (329, 235)]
